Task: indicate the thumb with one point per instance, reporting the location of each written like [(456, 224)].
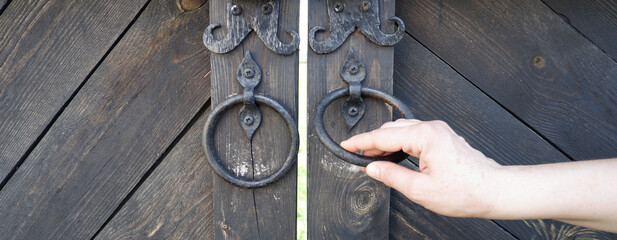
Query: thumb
[(393, 175)]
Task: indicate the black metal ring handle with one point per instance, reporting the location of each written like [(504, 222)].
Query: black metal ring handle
[(208, 142), (337, 150)]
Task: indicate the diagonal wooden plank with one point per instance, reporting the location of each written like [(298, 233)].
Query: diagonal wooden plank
[(175, 202), (436, 91), (47, 49), (118, 125), (596, 19), (532, 62)]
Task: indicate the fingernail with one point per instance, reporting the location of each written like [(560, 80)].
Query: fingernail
[(372, 171)]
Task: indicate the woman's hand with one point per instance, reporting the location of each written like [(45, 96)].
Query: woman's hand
[(459, 181), (454, 179)]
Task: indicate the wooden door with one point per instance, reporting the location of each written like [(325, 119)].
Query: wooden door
[(103, 104)]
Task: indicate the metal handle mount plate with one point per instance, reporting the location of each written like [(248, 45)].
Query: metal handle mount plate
[(354, 72), (249, 76)]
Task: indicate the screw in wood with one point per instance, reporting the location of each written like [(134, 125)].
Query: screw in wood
[(236, 10), (266, 9), (339, 7), (249, 73), (353, 70), (249, 120), (365, 6), (352, 111)]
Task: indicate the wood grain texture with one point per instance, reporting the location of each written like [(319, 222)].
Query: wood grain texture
[(47, 48), (433, 90), (596, 19), (175, 202), (532, 62), (343, 202), (269, 212), (118, 125)]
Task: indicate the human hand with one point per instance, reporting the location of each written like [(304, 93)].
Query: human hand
[(454, 179)]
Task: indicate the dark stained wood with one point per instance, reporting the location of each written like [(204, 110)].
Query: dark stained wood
[(269, 212), (433, 90), (596, 19), (175, 202), (133, 107), (344, 203), (532, 62), (47, 48)]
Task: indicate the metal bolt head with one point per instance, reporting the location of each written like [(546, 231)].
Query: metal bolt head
[(353, 70), (249, 73), (266, 9), (339, 7), (365, 6), (249, 120), (352, 111), (236, 10)]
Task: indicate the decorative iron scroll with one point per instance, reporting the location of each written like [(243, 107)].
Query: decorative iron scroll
[(246, 16), (345, 16)]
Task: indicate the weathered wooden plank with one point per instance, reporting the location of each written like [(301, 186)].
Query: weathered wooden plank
[(536, 66), (175, 202), (47, 49), (436, 91), (269, 212), (596, 19), (136, 103), (343, 202)]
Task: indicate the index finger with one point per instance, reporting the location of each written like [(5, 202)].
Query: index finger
[(389, 139)]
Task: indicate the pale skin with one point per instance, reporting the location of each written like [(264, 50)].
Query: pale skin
[(459, 181)]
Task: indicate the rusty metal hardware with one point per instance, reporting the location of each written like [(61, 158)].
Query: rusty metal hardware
[(345, 16), (249, 76), (245, 16), (353, 72)]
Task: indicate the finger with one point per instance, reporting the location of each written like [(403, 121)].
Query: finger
[(394, 176), (372, 153), (383, 139), (401, 122), (411, 139)]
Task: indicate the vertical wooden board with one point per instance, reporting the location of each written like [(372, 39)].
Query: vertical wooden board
[(435, 91), (136, 103), (343, 202), (47, 49), (175, 202), (596, 19), (532, 62), (269, 212)]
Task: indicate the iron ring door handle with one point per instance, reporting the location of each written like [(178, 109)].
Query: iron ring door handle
[(208, 142), (337, 150), (249, 76)]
